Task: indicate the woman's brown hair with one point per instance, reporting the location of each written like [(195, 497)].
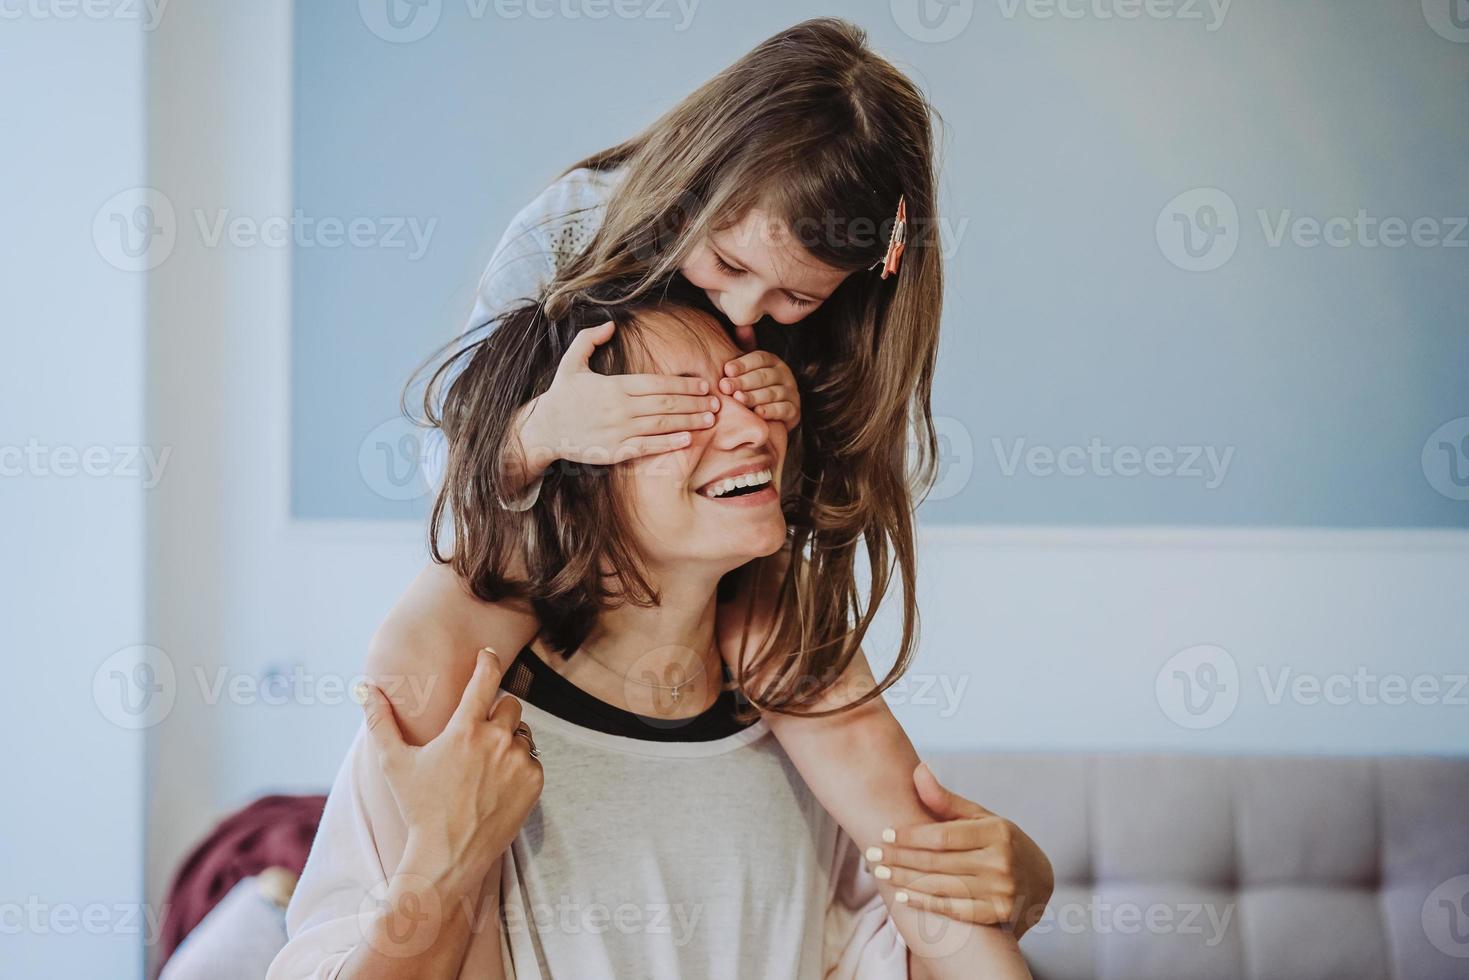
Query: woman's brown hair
[(818, 130)]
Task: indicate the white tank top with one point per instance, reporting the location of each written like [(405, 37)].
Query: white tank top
[(685, 859)]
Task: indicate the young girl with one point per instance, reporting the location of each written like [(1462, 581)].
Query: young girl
[(774, 190), (652, 851)]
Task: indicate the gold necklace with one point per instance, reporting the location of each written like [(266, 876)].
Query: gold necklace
[(675, 691)]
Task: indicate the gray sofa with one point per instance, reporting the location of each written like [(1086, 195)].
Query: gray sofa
[(1264, 868)]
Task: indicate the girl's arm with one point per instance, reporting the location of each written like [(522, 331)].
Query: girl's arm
[(424, 652), (859, 764), (864, 770)]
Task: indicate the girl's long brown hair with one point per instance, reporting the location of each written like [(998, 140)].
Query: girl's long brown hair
[(815, 128)]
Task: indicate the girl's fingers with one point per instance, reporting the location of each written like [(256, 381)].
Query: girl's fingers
[(947, 886), (763, 377), (579, 352), (984, 912), (651, 445), (949, 835), (479, 693), (763, 396), (650, 425), (662, 384), (779, 412), (665, 404), (916, 859), (749, 362)]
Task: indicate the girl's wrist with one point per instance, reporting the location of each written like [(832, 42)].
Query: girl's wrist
[(531, 453)]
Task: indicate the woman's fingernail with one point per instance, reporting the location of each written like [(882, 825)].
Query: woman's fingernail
[(359, 692), (901, 898), (874, 854), (703, 387), (739, 396), (714, 404), (889, 835), (882, 872), (708, 418)]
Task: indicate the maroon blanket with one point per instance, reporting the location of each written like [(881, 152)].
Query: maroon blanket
[(274, 831)]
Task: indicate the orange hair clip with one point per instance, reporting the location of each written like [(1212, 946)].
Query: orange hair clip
[(897, 242)]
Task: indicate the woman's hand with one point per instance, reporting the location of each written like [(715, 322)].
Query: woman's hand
[(762, 381), (465, 794), (972, 866), (586, 417)]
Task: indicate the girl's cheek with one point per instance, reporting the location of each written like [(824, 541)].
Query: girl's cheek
[(699, 277)]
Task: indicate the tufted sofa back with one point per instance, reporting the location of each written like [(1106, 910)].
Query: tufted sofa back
[(1264, 868)]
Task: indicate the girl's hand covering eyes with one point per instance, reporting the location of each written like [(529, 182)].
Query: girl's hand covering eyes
[(972, 866), (586, 417), (761, 381)]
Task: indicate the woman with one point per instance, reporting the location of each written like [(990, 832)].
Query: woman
[(654, 850)]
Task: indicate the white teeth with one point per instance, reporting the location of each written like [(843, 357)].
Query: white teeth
[(724, 487)]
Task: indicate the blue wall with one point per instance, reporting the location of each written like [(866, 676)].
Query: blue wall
[(1268, 382)]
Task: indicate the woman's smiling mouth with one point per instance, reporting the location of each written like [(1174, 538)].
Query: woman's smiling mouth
[(747, 486)]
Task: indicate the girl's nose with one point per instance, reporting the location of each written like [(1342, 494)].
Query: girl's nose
[(742, 307)]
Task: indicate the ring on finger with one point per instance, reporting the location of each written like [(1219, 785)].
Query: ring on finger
[(522, 730)]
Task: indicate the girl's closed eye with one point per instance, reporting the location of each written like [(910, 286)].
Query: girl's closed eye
[(726, 268), (730, 269)]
